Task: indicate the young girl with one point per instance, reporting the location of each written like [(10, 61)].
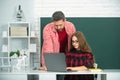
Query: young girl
[(79, 58)]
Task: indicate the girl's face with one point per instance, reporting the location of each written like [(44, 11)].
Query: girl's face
[(75, 43)]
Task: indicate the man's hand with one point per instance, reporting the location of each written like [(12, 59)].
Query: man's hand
[(42, 68)]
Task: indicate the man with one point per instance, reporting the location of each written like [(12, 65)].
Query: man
[(56, 35)]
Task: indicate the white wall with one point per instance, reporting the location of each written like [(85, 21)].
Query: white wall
[(81, 8)]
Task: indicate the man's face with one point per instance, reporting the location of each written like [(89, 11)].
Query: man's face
[(59, 25)]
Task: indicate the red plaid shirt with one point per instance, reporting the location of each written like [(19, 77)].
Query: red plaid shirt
[(79, 58)]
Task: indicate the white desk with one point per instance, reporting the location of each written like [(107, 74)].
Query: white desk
[(44, 75)]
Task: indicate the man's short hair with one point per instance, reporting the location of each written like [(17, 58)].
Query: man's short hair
[(58, 15)]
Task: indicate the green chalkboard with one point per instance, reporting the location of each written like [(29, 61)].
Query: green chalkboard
[(102, 34)]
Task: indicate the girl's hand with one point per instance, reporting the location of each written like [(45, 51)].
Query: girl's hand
[(79, 68)]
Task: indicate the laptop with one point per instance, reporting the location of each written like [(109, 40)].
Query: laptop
[(55, 62)]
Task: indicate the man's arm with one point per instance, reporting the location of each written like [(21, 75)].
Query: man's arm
[(47, 41), (47, 44)]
